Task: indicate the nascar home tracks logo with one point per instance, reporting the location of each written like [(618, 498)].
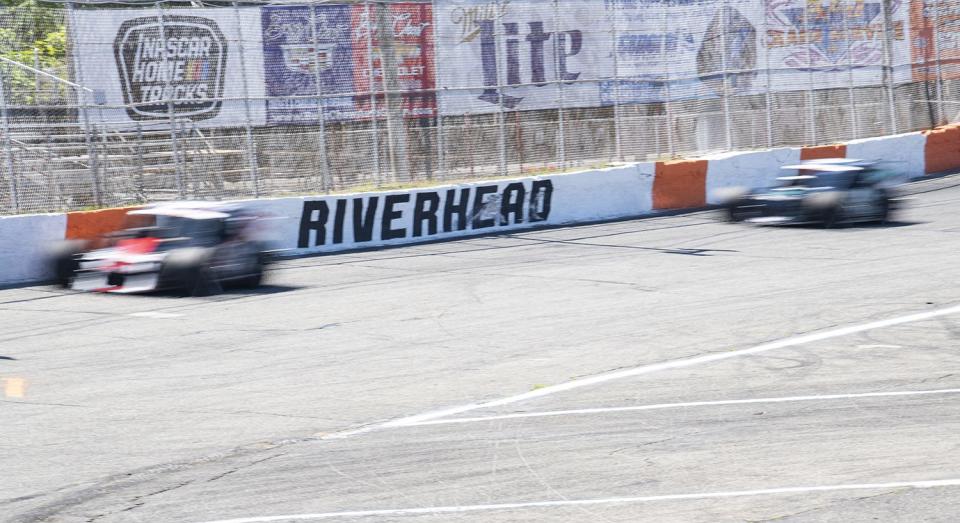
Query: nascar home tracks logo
[(183, 66)]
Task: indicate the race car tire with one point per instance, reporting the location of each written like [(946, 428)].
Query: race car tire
[(254, 279), (735, 213), (825, 209), (886, 209), (187, 271), (64, 258), (832, 218)]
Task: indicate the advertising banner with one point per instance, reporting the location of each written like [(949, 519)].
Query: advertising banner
[(312, 51), (543, 52), (190, 64), (821, 45), (413, 52), (688, 41), (935, 39)]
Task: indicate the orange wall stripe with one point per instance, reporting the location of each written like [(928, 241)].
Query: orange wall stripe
[(823, 151), (942, 151), (87, 225), (680, 184)]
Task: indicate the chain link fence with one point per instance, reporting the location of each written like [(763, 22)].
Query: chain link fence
[(117, 106)]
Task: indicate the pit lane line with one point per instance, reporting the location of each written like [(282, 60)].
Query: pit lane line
[(599, 501), (647, 369)]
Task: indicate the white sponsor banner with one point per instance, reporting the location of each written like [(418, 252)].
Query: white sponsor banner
[(199, 64), (525, 45), (833, 44), (678, 50)]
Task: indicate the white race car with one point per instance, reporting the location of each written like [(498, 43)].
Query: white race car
[(192, 247)]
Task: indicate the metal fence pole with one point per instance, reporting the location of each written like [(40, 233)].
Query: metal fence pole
[(8, 144), (671, 148), (36, 76), (373, 98), (768, 75), (139, 149), (811, 94), (728, 127), (438, 102), (325, 181), (888, 63), (393, 101), (854, 125), (561, 124), (175, 147), (617, 131), (500, 87), (941, 110), (92, 156), (251, 145)]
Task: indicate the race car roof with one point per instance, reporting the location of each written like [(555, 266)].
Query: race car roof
[(825, 167), (187, 210), (837, 161)]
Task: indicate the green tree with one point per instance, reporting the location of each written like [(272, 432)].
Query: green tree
[(32, 32)]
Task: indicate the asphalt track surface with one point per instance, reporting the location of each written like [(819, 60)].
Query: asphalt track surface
[(665, 369)]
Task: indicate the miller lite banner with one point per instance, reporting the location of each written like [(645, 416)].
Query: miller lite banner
[(145, 69), (527, 48)]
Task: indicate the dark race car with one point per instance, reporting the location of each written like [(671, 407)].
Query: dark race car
[(828, 192), (192, 247)]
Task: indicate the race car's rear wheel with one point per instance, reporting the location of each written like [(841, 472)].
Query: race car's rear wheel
[(736, 213), (885, 209), (825, 209), (187, 271), (65, 259), (832, 217), (255, 278)]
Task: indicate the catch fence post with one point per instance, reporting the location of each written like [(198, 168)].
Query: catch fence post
[(373, 98), (768, 75), (321, 106), (811, 93), (93, 163), (251, 145), (941, 110), (438, 99), (854, 124), (561, 123), (617, 131), (725, 85), (888, 63), (8, 144), (171, 113), (671, 148), (502, 125)]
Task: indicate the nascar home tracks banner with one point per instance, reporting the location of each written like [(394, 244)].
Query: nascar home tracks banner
[(688, 41), (325, 51), (527, 46), (143, 67)]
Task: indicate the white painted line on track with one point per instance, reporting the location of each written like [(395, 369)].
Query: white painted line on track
[(603, 410), (156, 315), (648, 369), (600, 501)]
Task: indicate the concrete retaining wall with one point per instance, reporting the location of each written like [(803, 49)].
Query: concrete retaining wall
[(334, 223)]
